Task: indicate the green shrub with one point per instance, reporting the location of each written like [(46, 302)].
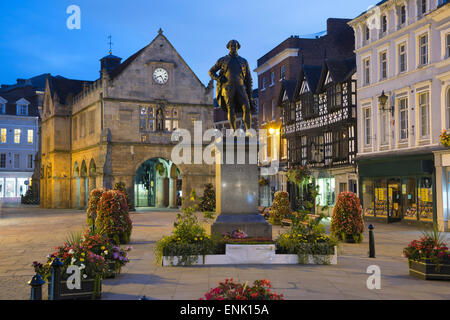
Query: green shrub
[(113, 217), (280, 208), (208, 201), (347, 222)]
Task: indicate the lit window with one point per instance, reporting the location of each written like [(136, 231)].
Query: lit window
[(3, 135), (30, 136), (17, 135)]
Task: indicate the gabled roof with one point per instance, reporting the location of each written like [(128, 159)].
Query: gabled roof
[(339, 69), (21, 95), (118, 70), (287, 86), (310, 73), (37, 82), (63, 87)]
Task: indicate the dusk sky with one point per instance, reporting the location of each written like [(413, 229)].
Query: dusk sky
[(35, 39)]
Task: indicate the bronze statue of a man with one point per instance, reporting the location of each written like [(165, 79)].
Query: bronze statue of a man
[(234, 85)]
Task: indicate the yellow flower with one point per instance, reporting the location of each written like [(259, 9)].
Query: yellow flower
[(81, 259), (201, 238), (195, 239), (103, 248), (83, 254)]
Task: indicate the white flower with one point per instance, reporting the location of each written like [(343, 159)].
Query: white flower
[(73, 260), (106, 251), (71, 251)]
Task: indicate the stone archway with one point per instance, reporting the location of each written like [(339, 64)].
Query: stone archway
[(157, 184), (92, 175), (84, 186), (76, 178)]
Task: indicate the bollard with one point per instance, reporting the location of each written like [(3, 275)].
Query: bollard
[(56, 280), (36, 287), (371, 242)]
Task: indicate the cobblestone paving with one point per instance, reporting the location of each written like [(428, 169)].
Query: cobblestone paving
[(30, 233)]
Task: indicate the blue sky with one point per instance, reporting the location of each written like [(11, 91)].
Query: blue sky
[(35, 39)]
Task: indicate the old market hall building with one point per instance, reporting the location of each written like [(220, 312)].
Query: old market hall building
[(119, 128)]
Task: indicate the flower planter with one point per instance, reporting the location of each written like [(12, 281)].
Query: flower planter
[(427, 270), (254, 254), (86, 292)]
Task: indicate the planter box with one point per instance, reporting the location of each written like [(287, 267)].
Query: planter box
[(254, 254), (426, 270), (85, 293)]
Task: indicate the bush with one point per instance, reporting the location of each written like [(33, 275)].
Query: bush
[(208, 201), (188, 238), (229, 290), (347, 221), (91, 210), (120, 186), (113, 217), (280, 208)]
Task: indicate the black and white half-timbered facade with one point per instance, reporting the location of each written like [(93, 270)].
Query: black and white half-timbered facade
[(320, 127)]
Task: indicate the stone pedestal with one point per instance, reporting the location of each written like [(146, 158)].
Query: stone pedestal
[(237, 176)]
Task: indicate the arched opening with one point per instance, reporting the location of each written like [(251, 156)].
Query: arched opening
[(76, 176), (157, 184), (92, 175), (84, 186)]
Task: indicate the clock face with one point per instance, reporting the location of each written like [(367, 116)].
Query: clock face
[(160, 75)]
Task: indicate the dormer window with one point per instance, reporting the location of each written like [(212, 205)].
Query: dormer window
[(2, 105), (22, 107)]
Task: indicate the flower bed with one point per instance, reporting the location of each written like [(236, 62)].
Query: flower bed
[(229, 290), (428, 257)]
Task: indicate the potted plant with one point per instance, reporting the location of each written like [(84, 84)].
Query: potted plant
[(445, 138), (428, 257), (347, 223)]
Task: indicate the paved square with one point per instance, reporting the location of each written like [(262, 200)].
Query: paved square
[(31, 233)]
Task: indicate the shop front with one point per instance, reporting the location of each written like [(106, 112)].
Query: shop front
[(398, 188)]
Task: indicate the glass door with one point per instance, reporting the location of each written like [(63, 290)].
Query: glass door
[(395, 208)]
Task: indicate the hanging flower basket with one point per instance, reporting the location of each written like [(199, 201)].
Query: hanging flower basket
[(298, 174), (445, 138)]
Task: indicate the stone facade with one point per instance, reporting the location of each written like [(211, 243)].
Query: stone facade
[(99, 133)]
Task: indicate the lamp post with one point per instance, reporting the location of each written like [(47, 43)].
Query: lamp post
[(382, 101)]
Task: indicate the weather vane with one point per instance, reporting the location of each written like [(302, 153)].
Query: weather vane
[(110, 44)]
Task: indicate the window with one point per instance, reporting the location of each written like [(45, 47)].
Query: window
[(16, 160), (92, 122), (17, 135), (402, 62), (22, 110), (30, 161), (3, 135), (424, 110), (423, 49), (447, 50), (334, 96), (383, 65), (402, 15), (284, 148), (272, 78), (283, 73), (30, 136), (403, 118), (422, 7), (2, 108), (384, 24), (263, 84), (3, 160), (384, 128), (367, 128), (448, 108), (75, 128), (269, 146), (366, 64), (366, 33), (273, 109)]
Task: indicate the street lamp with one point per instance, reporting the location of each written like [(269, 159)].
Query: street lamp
[(382, 101)]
